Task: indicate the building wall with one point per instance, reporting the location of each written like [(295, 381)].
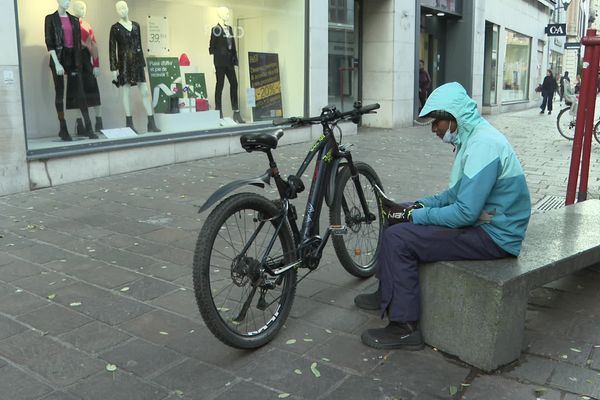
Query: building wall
[(13, 165)]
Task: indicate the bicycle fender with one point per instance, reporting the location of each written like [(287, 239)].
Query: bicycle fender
[(259, 181), (335, 168)]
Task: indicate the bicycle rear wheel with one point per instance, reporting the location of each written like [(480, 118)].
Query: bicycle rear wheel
[(357, 250), (565, 122), (240, 304), (597, 131)]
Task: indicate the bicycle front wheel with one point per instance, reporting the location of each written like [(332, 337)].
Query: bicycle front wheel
[(565, 122), (597, 131), (357, 250), (240, 304)]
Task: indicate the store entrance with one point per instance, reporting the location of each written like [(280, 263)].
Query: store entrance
[(432, 47)]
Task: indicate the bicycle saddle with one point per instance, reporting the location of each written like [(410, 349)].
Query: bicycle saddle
[(261, 142)]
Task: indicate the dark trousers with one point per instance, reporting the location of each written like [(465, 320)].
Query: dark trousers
[(547, 101), (405, 245), (233, 86), (75, 93)]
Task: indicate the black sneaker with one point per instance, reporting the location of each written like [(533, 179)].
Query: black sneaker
[(397, 335), (370, 301)]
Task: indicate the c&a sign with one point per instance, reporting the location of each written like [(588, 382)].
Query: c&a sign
[(556, 29)]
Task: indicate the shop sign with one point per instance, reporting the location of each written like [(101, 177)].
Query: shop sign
[(265, 79), (556, 29), (572, 45), (165, 82), (158, 35)]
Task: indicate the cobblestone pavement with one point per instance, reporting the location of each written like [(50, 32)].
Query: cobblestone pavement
[(99, 273)]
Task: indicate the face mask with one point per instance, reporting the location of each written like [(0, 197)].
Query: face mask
[(449, 136)]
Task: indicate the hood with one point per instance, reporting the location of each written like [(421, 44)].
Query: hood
[(453, 98)]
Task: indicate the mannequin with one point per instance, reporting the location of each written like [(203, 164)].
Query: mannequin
[(222, 47), (90, 65), (127, 63), (63, 41)]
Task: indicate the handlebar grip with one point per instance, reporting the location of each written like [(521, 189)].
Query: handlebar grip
[(283, 121), (369, 108)]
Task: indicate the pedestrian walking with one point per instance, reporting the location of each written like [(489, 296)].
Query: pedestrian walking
[(548, 89), (483, 215), (563, 78), (424, 84)]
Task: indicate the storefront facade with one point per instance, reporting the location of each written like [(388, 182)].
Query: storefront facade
[(292, 58)]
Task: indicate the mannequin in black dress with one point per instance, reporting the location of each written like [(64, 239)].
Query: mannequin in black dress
[(222, 47), (127, 63)]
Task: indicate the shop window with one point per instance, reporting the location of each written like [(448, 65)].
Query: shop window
[(516, 67), (142, 68)]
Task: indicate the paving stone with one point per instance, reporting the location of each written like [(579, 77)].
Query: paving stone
[(95, 337), (306, 337), (250, 391), (132, 227), (5, 290), (359, 387), (330, 317), (160, 326), (140, 357), (54, 319), (59, 396), (349, 353), (44, 284), (303, 307), (310, 287), (275, 368), (73, 264), (100, 304), (576, 380), (146, 248), (8, 327), (595, 359), (202, 345), (186, 281), (504, 389), (532, 369), (338, 296), (40, 253), (182, 302), (97, 219), (165, 270), (175, 255), (425, 372), (147, 288), (584, 328), (112, 239), (121, 257), (573, 351), (18, 270), (195, 379), (58, 364), (116, 386), (16, 384), (19, 303), (106, 276), (177, 237)]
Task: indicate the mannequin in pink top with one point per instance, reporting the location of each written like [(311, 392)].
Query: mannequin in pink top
[(90, 63)]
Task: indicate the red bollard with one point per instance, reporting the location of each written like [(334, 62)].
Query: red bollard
[(584, 119)]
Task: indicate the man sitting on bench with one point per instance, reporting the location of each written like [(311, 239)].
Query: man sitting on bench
[(483, 215)]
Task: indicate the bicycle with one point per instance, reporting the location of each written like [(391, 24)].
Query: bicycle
[(250, 244), (566, 125)]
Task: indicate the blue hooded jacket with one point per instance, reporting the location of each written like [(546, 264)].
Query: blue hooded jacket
[(487, 185)]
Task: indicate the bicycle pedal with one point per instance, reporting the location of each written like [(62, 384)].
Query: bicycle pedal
[(338, 230)]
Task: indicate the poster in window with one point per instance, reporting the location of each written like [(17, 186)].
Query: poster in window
[(165, 82), (266, 82), (196, 85)]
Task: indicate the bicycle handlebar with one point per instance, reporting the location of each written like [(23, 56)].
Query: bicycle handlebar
[(330, 114)]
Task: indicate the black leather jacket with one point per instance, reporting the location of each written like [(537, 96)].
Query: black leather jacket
[(55, 37)]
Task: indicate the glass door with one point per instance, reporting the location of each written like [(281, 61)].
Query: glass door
[(490, 71)]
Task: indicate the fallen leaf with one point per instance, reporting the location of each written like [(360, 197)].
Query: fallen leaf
[(539, 392), (591, 382), (328, 330), (575, 350), (163, 333), (283, 395), (125, 289), (315, 371), (325, 359), (297, 372), (307, 340), (51, 296), (111, 367), (291, 341), (573, 379), (453, 390), (75, 304)]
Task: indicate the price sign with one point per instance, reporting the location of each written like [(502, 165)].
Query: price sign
[(158, 35)]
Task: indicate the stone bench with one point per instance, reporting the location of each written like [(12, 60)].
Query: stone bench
[(475, 310)]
